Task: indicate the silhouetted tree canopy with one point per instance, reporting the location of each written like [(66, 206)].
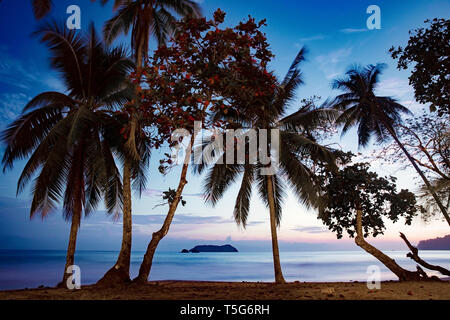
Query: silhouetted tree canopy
[(353, 187), (428, 49)]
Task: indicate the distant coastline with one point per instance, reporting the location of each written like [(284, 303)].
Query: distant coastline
[(439, 243)]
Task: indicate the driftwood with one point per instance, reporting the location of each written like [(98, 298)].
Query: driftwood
[(414, 255), (401, 273)]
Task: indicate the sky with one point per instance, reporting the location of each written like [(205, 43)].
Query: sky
[(336, 36)]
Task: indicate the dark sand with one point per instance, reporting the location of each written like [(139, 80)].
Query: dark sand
[(195, 290)]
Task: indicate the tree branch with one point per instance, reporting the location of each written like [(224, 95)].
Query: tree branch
[(414, 255)]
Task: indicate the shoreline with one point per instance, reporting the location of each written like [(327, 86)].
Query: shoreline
[(207, 290)]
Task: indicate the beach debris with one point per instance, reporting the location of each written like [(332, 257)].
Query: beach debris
[(328, 291)]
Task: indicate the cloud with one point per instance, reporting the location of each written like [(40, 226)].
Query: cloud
[(400, 90), (395, 87), (14, 203), (310, 229), (352, 30), (413, 105), (180, 219), (255, 223), (14, 72), (11, 105), (311, 38), (199, 195), (24, 78), (145, 224), (152, 193), (331, 64)]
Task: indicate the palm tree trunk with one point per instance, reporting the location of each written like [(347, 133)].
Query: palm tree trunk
[(402, 274), (120, 272), (70, 258), (125, 252), (273, 228), (419, 171), (146, 265)]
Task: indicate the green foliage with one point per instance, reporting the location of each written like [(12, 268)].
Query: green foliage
[(64, 134), (298, 151), (353, 187), (169, 197), (146, 18), (428, 51), (426, 137), (204, 70)]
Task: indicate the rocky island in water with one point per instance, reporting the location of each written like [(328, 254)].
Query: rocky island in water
[(211, 248)]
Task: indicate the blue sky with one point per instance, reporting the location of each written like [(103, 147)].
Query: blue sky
[(336, 36)]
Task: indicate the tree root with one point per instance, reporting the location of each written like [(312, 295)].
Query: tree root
[(114, 277)]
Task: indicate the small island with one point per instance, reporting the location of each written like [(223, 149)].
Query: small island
[(211, 248)]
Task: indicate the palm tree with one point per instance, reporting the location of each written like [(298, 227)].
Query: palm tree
[(41, 8), (373, 114), (297, 151), (441, 186), (144, 18), (64, 132)]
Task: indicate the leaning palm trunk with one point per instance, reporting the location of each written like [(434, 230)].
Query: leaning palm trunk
[(146, 265), (70, 258), (120, 272), (402, 274), (273, 228), (419, 171)]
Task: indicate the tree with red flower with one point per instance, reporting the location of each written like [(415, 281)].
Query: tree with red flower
[(205, 68)]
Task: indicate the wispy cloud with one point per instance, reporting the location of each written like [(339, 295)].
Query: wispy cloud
[(11, 105), (16, 73), (401, 90), (310, 229), (255, 223), (153, 193), (413, 105), (180, 219), (398, 88), (353, 30), (331, 64), (312, 38), (146, 224)]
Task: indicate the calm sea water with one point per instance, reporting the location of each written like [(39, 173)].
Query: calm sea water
[(30, 269)]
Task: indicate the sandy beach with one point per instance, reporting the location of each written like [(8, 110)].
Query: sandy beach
[(190, 290)]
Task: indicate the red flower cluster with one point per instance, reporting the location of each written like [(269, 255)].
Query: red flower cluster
[(205, 73)]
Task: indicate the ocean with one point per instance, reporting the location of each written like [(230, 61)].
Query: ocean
[(29, 269)]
